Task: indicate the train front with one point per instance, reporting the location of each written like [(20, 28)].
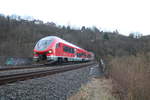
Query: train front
[(44, 49)]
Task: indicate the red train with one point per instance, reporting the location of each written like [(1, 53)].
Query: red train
[(52, 48)]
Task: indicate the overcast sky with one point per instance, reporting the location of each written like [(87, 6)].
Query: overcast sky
[(125, 15)]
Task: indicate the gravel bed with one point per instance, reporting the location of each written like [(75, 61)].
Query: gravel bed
[(55, 87)]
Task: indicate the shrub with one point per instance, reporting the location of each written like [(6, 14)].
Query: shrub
[(133, 74)]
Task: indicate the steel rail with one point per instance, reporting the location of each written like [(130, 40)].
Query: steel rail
[(36, 74), (33, 66)]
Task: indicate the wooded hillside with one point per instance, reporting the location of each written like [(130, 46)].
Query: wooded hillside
[(18, 37)]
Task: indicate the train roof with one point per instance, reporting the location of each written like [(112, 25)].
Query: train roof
[(60, 40)]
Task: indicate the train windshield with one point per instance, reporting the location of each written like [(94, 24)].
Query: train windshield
[(43, 44)]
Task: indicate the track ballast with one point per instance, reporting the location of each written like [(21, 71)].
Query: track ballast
[(4, 79)]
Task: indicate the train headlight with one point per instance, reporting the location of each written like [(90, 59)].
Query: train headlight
[(50, 51)]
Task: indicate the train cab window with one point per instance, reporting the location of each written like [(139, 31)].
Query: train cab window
[(43, 44)]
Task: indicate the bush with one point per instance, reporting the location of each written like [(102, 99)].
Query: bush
[(133, 74)]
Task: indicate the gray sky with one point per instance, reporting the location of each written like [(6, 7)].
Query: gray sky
[(125, 15)]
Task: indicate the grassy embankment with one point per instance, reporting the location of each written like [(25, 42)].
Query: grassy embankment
[(96, 89), (132, 73)]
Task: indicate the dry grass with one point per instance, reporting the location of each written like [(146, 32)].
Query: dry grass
[(133, 74), (97, 89)]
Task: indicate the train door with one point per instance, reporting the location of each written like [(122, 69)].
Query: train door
[(75, 55), (58, 49)]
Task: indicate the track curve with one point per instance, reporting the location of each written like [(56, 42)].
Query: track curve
[(4, 79)]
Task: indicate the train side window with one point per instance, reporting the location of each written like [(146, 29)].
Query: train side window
[(79, 54), (68, 49), (72, 50), (57, 45), (65, 48)]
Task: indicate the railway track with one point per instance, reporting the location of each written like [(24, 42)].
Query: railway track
[(34, 66), (18, 67), (4, 79)]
